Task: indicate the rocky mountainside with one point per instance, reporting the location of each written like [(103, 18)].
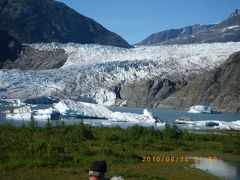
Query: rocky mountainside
[(32, 59), (218, 88), (148, 92), (34, 21), (10, 48), (15, 55), (173, 33), (225, 31)]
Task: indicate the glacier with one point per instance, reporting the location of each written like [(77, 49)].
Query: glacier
[(94, 70)]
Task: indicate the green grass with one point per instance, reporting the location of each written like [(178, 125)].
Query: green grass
[(65, 152)]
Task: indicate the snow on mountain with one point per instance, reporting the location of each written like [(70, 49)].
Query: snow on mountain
[(93, 70)]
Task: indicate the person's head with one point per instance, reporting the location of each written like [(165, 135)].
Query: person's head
[(97, 170)]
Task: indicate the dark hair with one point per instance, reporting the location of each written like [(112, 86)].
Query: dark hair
[(99, 166)]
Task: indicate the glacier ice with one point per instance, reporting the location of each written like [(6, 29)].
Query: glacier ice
[(45, 114), (21, 113), (25, 113), (72, 108), (215, 124), (102, 96), (69, 107), (202, 109), (93, 70)]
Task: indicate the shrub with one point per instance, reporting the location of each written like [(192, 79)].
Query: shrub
[(227, 149), (172, 132)]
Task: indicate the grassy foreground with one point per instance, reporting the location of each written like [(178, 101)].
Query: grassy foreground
[(65, 152)]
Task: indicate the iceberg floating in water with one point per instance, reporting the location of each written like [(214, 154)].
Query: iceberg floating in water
[(131, 117), (215, 124), (202, 109), (184, 120), (45, 114), (71, 108), (25, 113), (22, 113)]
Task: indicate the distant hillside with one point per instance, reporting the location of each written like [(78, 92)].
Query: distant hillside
[(225, 31), (173, 33), (34, 21), (218, 88)]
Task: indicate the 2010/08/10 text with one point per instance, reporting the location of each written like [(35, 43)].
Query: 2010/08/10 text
[(174, 159)]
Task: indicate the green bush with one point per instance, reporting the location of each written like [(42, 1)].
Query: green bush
[(227, 149), (172, 132)]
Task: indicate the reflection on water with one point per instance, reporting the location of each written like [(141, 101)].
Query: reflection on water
[(227, 170)]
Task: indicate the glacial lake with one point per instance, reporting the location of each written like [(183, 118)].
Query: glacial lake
[(167, 115)]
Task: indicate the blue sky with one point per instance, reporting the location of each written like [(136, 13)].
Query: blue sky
[(134, 20)]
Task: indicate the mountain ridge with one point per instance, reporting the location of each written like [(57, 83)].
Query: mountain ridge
[(34, 21), (225, 31), (173, 33)]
